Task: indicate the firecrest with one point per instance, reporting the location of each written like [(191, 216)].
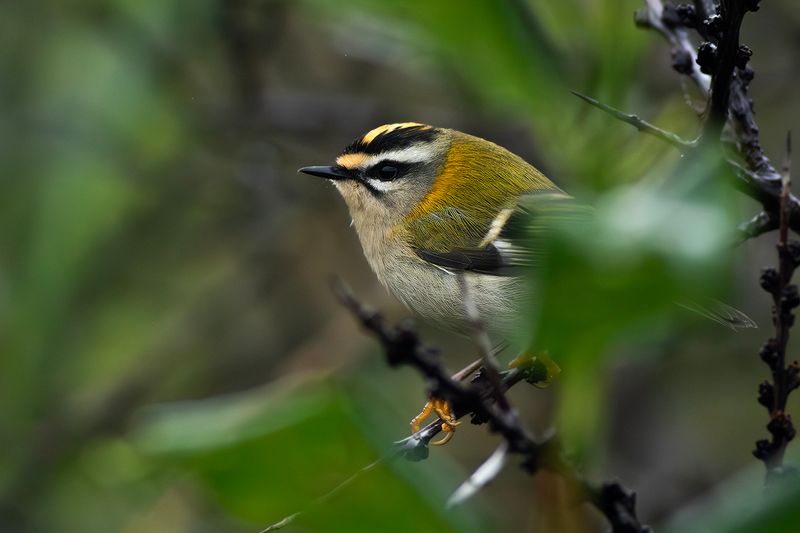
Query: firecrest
[(429, 203)]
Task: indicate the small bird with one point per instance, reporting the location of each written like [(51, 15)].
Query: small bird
[(430, 204)]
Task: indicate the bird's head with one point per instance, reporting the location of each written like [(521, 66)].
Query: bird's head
[(385, 173), (432, 184)]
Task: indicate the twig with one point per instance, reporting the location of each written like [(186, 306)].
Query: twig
[(774, 395), (684, 55), (402, 346), (745, 128), (766, 190), (618, 504), (786, 183), (682, 145), (721, 60), (490, 366)]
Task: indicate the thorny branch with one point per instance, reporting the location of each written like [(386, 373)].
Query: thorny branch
[(725, 59), (402, 346), (773, 395), (721, 71), (682, 145)]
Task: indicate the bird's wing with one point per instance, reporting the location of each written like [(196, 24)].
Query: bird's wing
[(487, 260), (500, 245)]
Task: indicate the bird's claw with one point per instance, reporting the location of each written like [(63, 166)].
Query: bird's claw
[(443, 411)]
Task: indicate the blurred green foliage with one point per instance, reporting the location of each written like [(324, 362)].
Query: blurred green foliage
[(645, 249), (276, 435), (171, 357)]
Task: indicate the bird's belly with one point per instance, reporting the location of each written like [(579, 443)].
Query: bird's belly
[(435, 294)]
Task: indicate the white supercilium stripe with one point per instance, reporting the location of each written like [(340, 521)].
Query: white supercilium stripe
[(412, 154)]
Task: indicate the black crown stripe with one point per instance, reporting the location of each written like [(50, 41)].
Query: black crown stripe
[(392, 140)]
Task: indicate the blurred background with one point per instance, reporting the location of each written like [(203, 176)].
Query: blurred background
[(171, 356)]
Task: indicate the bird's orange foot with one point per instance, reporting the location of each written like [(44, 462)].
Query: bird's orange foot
[(539, 369), (442, 409)]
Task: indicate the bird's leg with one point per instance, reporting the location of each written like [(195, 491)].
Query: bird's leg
[(425, 413), (442, 408)]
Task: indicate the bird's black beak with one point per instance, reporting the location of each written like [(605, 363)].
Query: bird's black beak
[(331, 173)]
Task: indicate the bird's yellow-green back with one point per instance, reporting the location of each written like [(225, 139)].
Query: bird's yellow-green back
[(475, 192)]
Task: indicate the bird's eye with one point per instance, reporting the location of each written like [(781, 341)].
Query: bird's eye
[(387, 172)]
